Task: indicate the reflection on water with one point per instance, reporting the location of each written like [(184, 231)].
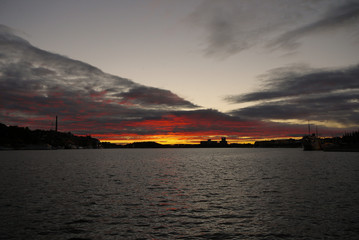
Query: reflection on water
[(179, 193)]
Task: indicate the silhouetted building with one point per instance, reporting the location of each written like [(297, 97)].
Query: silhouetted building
[(223, 142), (210, 143)]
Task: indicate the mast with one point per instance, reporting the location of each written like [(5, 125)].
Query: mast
[(316, 130), (308, 128)]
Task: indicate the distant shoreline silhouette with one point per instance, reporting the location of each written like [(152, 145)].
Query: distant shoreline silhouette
[(22, 138)]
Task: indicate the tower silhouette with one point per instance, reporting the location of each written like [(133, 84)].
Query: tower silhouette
[(56, 124)]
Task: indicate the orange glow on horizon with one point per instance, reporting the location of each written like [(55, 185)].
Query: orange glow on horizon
[(180, 138), (166, 141)]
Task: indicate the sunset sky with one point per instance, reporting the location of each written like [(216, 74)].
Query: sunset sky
[(180, 71)]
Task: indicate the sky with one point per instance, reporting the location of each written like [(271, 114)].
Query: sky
[(180, 71)]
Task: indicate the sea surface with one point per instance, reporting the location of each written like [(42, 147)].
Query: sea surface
[(179, 194)]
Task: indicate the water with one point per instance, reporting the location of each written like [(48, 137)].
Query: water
[(179, 194)]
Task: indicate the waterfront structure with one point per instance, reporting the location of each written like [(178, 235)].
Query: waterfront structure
[(210, 143)]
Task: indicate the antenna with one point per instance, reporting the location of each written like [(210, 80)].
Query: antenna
[(56, 124), (308, 128)]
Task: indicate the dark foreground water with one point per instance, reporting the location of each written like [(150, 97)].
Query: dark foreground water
[(179, 194)]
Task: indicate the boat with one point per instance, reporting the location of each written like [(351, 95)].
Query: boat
[(311, 143)]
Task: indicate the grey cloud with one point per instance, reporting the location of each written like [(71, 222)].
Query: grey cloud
[(217, 18), (283, 83), (319, 107), (226, 26), (8, 34), (36, 85), (321, 95), (41, 71), (155, 96), (339, 17), (231, 26), (25, 63)]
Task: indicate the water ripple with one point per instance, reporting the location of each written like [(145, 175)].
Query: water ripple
[(179, 194)]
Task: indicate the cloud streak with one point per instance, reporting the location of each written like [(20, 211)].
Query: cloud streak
[(342, 16), (232, 26), (301, 80), (328, 96)]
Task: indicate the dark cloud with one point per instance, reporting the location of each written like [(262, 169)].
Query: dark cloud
[(341, 16), (291, 82), (338, 108), (37, 85), (321, 95), (7, 35), (154, 96), (231, 26)]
